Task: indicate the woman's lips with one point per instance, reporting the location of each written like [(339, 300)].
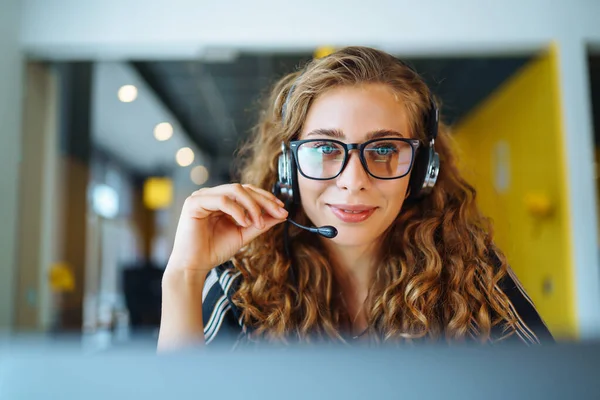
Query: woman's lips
[(352, 213)]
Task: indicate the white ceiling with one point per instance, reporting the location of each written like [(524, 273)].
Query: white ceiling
[(126, 130)]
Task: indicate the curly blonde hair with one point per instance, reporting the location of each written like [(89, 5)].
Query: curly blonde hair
[(438, 269)]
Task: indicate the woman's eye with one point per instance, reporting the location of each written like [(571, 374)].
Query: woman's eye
[(384, 151), (326, 149)]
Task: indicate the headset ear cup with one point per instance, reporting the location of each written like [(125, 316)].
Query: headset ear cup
[(424, 173), (294, 181), (286, 187), (281, 188), (433, 171), (417, 174)]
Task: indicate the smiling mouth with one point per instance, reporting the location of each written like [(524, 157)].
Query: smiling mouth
[(351, 214)]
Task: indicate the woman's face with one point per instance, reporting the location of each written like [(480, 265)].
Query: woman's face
[(355, 113)]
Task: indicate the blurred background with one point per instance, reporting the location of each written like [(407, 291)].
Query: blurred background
[(113, 112)]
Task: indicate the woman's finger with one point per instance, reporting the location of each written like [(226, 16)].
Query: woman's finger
[(269, 203), (265, 193), (203, 206), (243, 197)]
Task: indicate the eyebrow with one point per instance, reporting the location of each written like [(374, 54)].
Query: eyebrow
[(338, 134)]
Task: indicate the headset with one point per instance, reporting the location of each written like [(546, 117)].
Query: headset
[(424, 173)]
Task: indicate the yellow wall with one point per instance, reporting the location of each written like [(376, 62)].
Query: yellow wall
[(511, 149)]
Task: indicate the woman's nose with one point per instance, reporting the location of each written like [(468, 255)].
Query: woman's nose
[(353, 177)]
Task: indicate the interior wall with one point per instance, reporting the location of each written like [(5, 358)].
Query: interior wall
[(514, 154), (36, 199), (579, 148), (594, 79), (10, 121)]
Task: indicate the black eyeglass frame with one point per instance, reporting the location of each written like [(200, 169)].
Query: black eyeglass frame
[(414, 145)]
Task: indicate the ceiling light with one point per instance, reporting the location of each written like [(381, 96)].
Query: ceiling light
[(163, 131), (199, 175), (127, 93), (184, 156)]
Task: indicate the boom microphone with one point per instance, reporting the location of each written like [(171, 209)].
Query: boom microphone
[(326, 231)]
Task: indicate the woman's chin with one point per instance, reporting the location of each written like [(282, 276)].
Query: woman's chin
[(352, 239)]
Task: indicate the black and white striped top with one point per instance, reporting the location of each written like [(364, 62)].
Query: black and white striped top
[(223, 320), (221, 317)]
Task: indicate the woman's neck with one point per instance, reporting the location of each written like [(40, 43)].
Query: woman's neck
[(353, 267)]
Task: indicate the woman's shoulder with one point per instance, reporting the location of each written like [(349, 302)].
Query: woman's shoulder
[(221, 318), (530, 327)]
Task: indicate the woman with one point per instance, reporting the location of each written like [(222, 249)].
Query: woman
[(413, 259)]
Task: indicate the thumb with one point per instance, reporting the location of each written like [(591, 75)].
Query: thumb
[(250, 233)]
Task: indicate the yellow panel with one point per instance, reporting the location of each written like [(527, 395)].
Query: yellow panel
[(513, 152), (158, 193), (323, 51)]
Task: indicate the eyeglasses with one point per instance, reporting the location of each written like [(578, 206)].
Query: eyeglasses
[(324, 159)]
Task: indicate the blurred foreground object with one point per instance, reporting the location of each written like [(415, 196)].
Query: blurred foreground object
[(503, 372)]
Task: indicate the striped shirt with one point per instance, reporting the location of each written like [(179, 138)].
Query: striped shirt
[(223, 320)]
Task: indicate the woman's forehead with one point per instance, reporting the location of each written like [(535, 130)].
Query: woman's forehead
[(355, 113)]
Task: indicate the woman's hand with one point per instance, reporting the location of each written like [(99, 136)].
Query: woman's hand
[(216, 222)]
